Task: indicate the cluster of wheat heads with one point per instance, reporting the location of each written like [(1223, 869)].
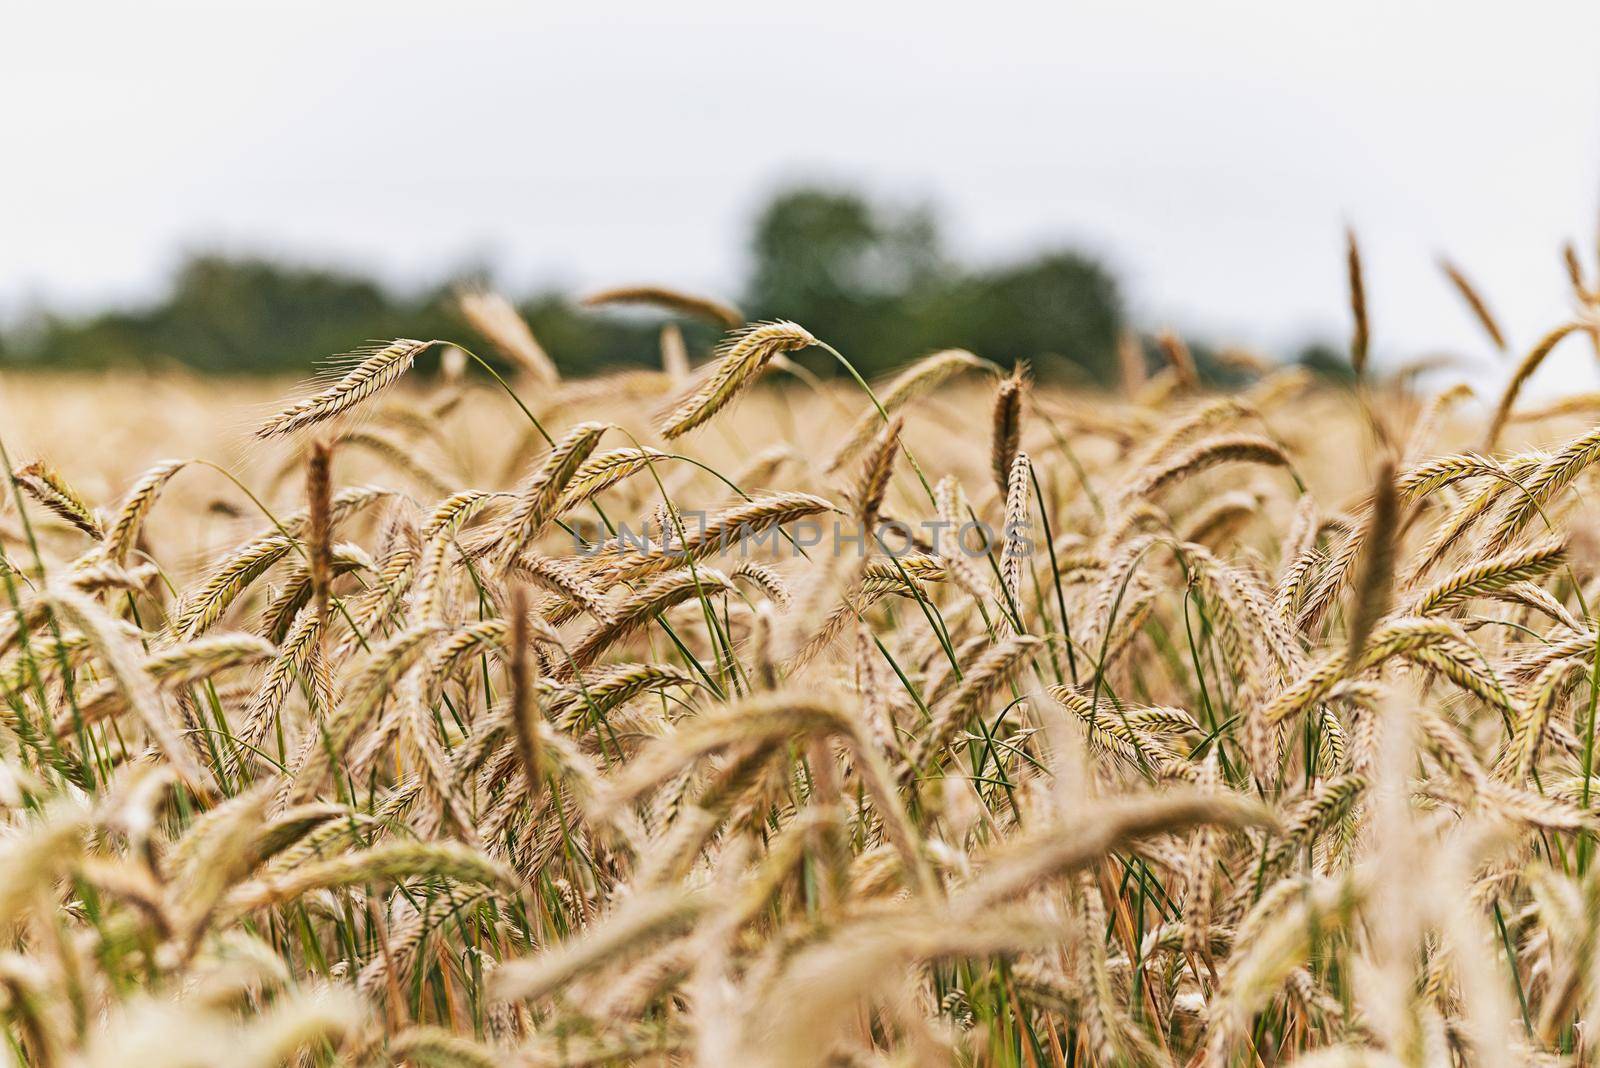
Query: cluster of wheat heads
[(1175, 759)]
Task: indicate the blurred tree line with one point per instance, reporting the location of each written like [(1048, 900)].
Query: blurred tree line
[(873, 279)]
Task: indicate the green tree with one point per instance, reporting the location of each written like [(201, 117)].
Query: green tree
[(844, 269), (875, 282), (231, 315), (1058, 309), (238, 315), (1327, 360)]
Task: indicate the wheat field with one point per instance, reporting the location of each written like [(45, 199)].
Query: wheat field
[(726, 714)]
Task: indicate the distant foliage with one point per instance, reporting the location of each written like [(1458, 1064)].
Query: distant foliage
[(874, 278), (879, 282)]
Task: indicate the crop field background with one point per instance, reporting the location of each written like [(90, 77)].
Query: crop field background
[(441, 711)]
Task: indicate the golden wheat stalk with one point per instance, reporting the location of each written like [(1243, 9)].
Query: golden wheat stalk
[(202, 607), (1441, 471), (1238, 448), (980, 680), (639, 608), (536, 499), (872, 485), (45, 485), (367, 692), (641, 919), (524, 699), (296, 589), (1359, 332), (1530, 363), (918, 380), (493, 316), (1006, 422), (380, 366), (1019, 529), (384, 863), (725, 531), (674, 354), (1179, 358), (604, 470), (716, 312), (1490, 575), (298, 646), (125, 528), (1374, 586), (1550, 475), (565, 581), (740, 361), (319, 494), (1474, 301), (126, 671)]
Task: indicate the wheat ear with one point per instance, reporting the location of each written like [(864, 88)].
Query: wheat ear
[(380, 367), (742, 358)]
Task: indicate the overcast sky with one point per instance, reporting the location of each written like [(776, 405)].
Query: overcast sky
[(1211, 152)]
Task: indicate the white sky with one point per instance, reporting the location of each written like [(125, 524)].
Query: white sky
[(1212, 152)]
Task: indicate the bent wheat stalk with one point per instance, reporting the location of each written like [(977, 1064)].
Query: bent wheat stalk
[(380, 367), (740, 362)]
